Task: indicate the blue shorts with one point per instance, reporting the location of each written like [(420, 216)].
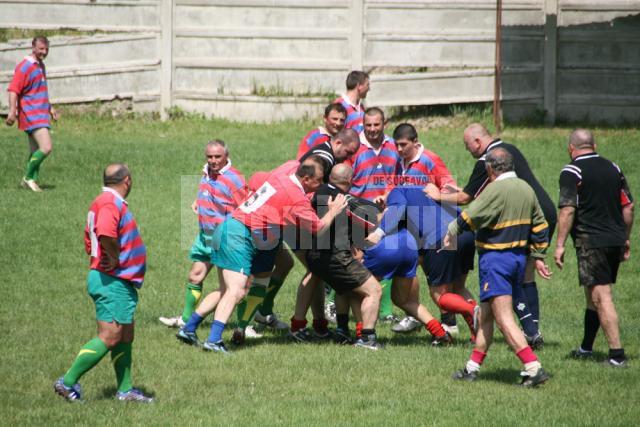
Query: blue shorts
[(446, 266), (235, 250), (395, 256), (500, 271)]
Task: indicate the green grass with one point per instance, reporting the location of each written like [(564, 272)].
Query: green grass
[(47, 315)]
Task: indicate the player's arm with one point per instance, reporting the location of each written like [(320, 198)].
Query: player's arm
[(110, 252), (13, 109), (393, 214), (106, 229), (458, 198), (539, 240), (627, 214), (567, 203), (477, 181)]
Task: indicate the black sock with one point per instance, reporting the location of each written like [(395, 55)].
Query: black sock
[(343, 322), (591, 326), (531, 292), (448, 319), (617, 354), (521, 308)]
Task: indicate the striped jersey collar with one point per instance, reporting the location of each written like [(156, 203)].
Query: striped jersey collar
[(225, 168), (493, 144), (350, 102), (587, 156), (366, 143), (324, 131), (115, 193), (507, 175), (415, 159)]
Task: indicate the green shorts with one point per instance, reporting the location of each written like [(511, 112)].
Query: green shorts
[(115, 299), (201, 248), (235, 250)]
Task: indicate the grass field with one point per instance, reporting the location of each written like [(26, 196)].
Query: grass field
[(47, 315)]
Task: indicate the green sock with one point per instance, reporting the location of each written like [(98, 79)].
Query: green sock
[(121, 359), (88, 357), (192, 297), (267, 305), (34, 164), (386, 306), (248, 306)]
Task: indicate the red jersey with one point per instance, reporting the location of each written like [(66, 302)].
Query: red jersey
[(315, 137), (30, 84), (442, 175), (109, 216), (280, 201)]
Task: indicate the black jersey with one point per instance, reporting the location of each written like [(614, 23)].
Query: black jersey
[(596, 187), (325, 152), (479, 180)]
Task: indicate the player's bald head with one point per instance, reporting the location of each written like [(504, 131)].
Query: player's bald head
[(476, 130), (348, 136), (341, 175), (115, 174), (582, 139)]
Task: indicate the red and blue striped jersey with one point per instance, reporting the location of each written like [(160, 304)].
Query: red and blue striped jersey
[(218, 195), (355, 114), (418, 171), (442, 175), (109, 216), (30, 84), (373, 170), (312, 139)]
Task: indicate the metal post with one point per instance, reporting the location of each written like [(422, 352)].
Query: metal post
[(497, 116)]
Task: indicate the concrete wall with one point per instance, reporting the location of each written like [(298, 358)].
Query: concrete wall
[(265, 60)]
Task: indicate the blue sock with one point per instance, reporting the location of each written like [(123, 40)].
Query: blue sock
[(216, 331), (531, 292), (521, 308), (193, 322)]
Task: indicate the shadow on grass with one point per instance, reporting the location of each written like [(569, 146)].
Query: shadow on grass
[(501, 375)]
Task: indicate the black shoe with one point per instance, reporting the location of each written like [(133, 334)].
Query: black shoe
[(301, 336), (369, 344), (188, 337), (465, 375), (327, 335), (342, 337), (616, 362), (533, 381), (444, 341), (580, 354), (536, 342)]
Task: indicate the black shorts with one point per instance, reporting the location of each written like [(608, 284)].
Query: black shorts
[(598, 266), (339, 269), (446, 266)]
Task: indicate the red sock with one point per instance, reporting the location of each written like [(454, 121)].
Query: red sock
[(478, 356), (296, 324), (454, 303), (321, 325), (435, 328), (526, 355), (358, 329)]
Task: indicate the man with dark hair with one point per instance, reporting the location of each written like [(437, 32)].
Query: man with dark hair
[(596, 207), (222, 188), (506, 218), (29, 104), (478, 141), (334, 118), (118, 264), (357, 89), (247, 242)]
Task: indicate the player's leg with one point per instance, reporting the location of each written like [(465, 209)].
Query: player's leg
[(304, 296), (42, 139), (523, 310), (484, 338), (371, 292), (249, 305), (409, 323), (601, 298), (283, 265), (320, 323), (193, 293), (403, 296)]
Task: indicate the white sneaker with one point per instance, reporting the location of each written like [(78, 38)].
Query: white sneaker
[(270, 321), (330, 312), (250, 332), (172, 322), (407, 324), (30, 184), (453, 330)]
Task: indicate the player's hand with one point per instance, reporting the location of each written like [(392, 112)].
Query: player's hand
[(54, 114), (452, 188), (627, 251), (558, 256), (11, 118), (380, 201), (543, 269), (373, 239), (337, 204), (357, 254), (446, 242), (194, 207), (108, 262), (432, 191)]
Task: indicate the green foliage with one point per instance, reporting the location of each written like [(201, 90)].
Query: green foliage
[(7, 34), (47, 315)]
